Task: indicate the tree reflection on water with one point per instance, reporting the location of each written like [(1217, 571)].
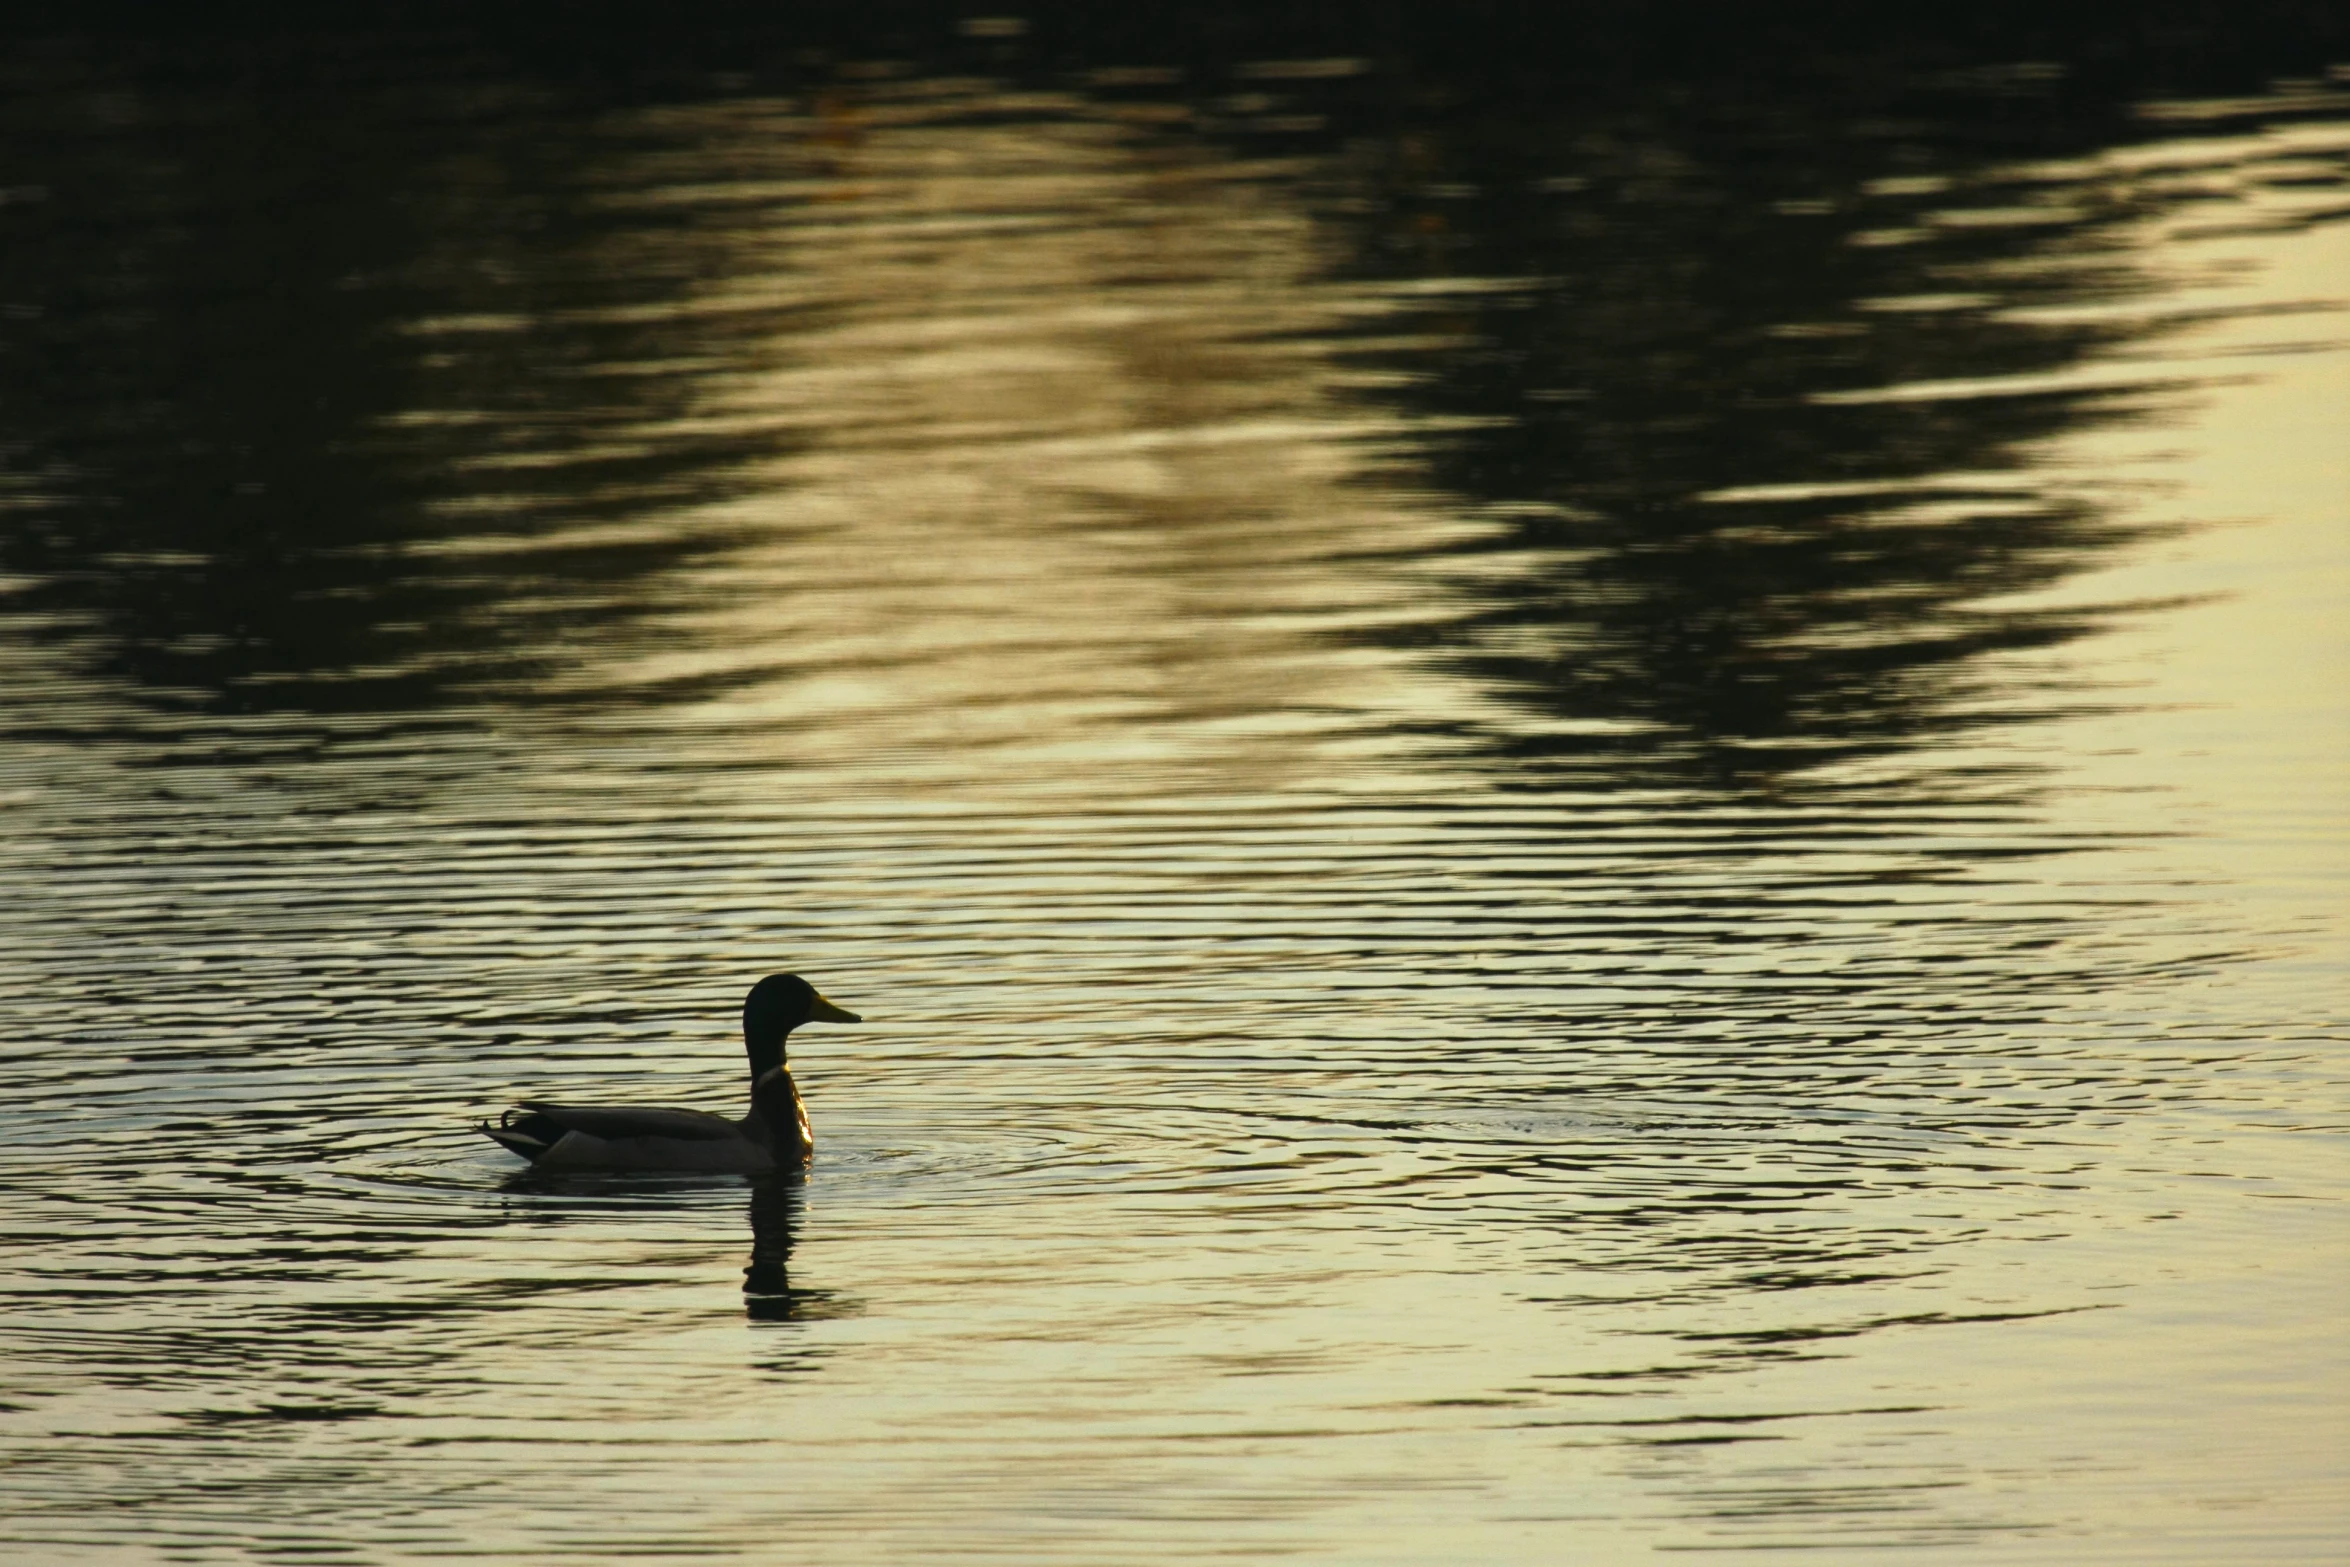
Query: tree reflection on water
[(287, 329), (1767, 400)]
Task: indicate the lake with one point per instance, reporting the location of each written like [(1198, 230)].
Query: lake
[(1585, 785)]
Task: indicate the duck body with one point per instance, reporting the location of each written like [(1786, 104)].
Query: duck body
[(657, 1137), (774, 1136)]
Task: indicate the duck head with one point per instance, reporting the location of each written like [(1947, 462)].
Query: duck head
[(777, 1005)]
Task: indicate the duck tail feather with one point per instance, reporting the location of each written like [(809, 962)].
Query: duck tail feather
[(513, 1138)]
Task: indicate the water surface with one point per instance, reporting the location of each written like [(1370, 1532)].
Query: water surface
[(1583, 815)]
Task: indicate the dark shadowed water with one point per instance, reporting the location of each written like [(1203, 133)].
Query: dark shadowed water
[(1587, 790)]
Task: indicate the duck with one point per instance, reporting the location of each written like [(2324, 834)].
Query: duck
[(774, 1136)]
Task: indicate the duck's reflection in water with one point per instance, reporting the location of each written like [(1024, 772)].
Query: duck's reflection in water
[(777, 1203), (777, 1207)]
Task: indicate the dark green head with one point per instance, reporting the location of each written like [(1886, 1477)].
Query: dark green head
[(777, 1005)]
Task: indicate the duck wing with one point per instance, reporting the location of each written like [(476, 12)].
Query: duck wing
[(612, 1122)]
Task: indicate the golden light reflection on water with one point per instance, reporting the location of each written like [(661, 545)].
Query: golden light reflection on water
[(1498, 920), (1064, 471)]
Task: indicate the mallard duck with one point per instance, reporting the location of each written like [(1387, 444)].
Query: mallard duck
[(774, 1136)]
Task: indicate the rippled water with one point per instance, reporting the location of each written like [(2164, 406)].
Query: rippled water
[(1586, 809)]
